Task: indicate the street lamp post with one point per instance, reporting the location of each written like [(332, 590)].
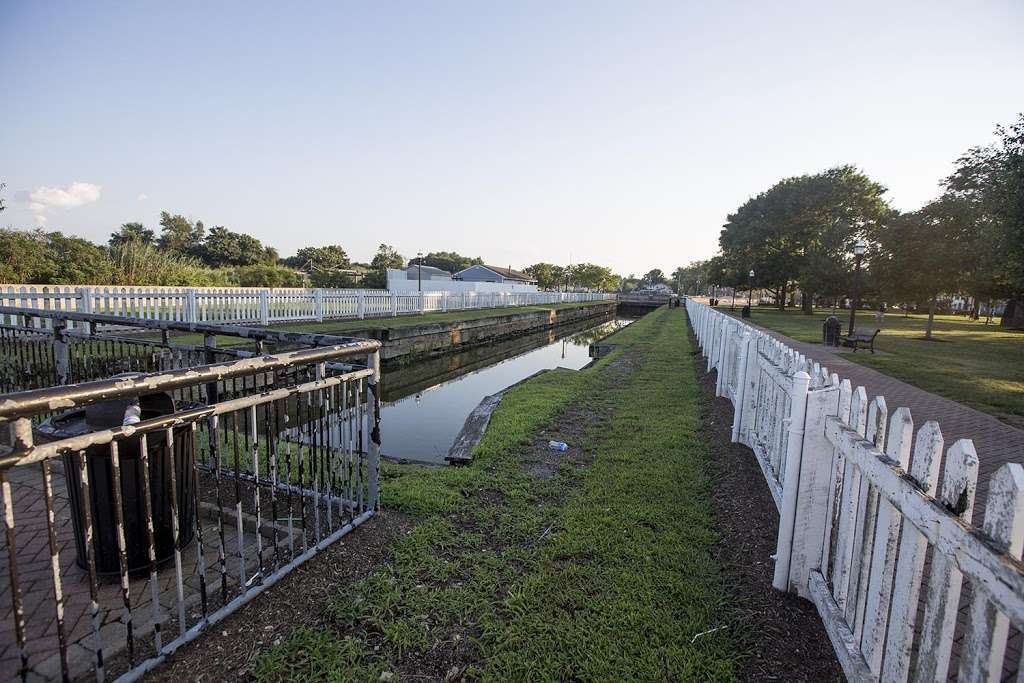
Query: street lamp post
[(750, 290), (419, 271), (859, 248)]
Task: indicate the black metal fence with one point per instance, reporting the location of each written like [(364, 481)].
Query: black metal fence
[(140, 510)]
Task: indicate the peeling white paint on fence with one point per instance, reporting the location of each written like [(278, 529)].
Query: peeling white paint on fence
[(266, 306), (861, 510)]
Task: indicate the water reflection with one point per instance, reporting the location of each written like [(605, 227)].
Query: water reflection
[(426, 403)]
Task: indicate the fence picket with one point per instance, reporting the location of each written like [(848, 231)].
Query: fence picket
[(883, 557), (942, 597), (981, 658)]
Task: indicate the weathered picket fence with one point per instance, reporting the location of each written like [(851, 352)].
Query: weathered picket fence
[(874, 527), (265, 306)]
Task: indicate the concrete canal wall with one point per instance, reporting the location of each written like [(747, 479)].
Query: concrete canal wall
[(409, 342)]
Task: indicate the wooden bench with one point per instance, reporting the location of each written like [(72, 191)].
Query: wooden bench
[(860, 340)]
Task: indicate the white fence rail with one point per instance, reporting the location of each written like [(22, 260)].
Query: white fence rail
[(868, 529), (265, 306)]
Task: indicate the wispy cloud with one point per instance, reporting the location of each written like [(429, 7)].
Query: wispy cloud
[(42, 200), (142, 197)]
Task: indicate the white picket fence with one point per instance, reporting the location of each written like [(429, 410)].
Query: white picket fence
[(868, 529), (265, 306)]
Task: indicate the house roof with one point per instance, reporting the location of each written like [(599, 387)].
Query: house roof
[(412, 269), (504, 272)]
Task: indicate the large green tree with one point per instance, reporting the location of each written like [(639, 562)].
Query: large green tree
[(386, 257), (132, 232), (547, 275), (988, 183), (330, 257), (179, 234), (920, 255), (800, 232), (223, 247)]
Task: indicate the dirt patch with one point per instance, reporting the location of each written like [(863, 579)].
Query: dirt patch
[(782, 631), (231, 647), (543, 462)]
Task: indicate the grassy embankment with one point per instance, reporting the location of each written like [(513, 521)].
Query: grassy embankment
[(529, 565), (344, 327), (967, 361)]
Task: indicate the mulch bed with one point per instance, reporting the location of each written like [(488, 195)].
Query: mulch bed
[(230, 649), (782, 631)]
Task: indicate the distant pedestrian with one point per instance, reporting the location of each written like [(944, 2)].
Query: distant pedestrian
[(880, 315)]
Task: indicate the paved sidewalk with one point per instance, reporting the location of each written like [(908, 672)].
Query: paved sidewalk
[(995, 442)]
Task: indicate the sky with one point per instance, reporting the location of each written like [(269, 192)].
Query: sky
[(619, 133)]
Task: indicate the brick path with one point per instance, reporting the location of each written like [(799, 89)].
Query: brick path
[(996, 442), (35, 579)]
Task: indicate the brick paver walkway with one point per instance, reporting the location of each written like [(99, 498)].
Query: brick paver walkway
[(995, 442)]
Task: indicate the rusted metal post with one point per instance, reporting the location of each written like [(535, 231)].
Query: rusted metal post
[(210, 342), (373, 418), (60, 352)]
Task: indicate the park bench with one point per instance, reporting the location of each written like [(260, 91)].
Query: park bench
[(860, 340)]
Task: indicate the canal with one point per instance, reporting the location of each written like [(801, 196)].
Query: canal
[(426, 402)]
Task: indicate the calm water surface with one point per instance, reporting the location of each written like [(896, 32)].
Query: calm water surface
[(426, 403)]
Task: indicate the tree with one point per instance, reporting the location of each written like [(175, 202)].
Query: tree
[(222, 247), (595, 277), (386, 257), (179, 234), (132, 231), (690, 278), (653, 277), (449, 261), (40, 257), (919, 255), (547, 275), (989, 181), (330, 257), (801, 231)]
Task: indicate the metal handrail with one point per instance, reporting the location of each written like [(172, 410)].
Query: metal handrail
[(25, 403)]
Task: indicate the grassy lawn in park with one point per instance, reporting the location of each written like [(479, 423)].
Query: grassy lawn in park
[(528, 564), (976, 364)]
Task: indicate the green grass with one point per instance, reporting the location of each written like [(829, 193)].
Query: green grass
[(976, 364), (601, 572), (343, 327)]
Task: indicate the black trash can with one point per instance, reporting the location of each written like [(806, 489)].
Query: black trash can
[(831, 330), (101, 483)]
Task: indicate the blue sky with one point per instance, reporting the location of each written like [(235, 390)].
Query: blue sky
[(618, 133)]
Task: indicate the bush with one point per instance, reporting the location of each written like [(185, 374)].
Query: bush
[(267, 276)]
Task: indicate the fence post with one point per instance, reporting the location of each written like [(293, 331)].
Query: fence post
[(738, 403), (444, 301), (191, 307), (264, 307), (420, 301), (361, 298), (394, 305), (318, 300), (84, 304), (722, 353)]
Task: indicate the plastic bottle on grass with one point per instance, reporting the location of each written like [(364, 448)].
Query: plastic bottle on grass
[(558, 445)]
